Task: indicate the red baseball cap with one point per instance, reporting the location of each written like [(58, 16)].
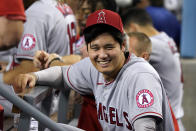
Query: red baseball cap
[(105, 17)]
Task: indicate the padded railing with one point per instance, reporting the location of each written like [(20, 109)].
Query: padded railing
[(36, 95)]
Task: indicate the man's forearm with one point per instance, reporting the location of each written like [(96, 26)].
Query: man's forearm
[(66, 60), (25, 66), (52, 77)]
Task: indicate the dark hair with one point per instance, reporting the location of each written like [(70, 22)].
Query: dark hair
[(107, 4), (94, 31), (157, 3), (136, 15)]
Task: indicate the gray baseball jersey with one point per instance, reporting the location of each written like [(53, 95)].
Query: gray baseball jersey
[(165, 59), (50, 26), (136, 92), (6, 56)]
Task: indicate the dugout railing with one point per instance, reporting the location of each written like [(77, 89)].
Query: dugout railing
[(27, 106)]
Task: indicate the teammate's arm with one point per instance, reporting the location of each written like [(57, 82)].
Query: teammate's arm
[(145, 124), (44, 60), (25, 66), (66, 60), (52, 77)]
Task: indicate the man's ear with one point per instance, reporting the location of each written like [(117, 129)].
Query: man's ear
[(124, 46), (146, 56)]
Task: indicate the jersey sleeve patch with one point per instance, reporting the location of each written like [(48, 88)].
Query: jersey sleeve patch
[(28, 42), (144, 98)]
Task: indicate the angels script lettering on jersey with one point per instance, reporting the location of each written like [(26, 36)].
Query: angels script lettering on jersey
[(111, 116)]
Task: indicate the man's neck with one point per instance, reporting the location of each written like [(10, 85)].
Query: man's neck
[(149, 31)]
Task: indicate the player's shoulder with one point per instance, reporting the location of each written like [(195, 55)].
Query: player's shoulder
[(138, 65), (159, 40), (161, 43), (48, 8)]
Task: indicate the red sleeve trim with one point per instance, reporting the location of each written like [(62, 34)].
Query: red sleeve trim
[(69, 79), (72, 86), (147, 113), (25, 55)]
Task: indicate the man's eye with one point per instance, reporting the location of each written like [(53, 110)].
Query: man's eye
[(94, 48), (109, 47)]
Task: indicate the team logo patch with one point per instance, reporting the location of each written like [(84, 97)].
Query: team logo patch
[(101, 17), (144, 98), (28, 42)]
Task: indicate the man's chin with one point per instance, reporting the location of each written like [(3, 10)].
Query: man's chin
[(105, 72)]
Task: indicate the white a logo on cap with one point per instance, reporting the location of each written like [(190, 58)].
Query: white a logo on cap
[(101, 17)]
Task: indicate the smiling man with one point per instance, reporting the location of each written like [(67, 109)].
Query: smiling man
[(128, 91)]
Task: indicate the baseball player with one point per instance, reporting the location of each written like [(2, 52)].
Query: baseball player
[(164, 57), (166, 22), (140, 45), (12, 17), (128, 91), (50, 26)]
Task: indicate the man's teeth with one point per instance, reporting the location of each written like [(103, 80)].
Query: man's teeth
[(103, 62)]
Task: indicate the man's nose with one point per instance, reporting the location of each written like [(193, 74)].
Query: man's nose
[(102, 53)]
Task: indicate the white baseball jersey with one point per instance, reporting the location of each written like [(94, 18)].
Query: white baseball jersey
[(136, 92), (165, 59), (50, 26)]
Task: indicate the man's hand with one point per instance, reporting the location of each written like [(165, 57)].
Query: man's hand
[(3, 66), (42, 59), (24, 80)]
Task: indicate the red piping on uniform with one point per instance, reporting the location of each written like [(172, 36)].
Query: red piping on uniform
[(99, 83), (145, 113), (176, 127), (68, 78), (107, 83)]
